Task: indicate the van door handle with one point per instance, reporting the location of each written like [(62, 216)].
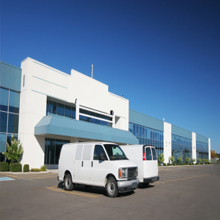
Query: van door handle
[(92, 164), (82, 163)]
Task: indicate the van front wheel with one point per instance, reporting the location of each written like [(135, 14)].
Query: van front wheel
[(111, 187), (68, 182)]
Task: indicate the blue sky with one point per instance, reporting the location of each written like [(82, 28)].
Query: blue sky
[(164, 56)]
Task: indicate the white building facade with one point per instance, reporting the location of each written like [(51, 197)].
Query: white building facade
[(57, 108)]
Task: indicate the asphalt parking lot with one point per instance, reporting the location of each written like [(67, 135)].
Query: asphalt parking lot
[(183, 192)]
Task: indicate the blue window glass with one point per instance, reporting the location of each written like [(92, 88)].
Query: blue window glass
[(59, 145), (2, 143), (73, 112), (14, 102), (3, 121), (60, 109), (148, 154), (54, 107), (4, 99), (67, 111), (13, 123)]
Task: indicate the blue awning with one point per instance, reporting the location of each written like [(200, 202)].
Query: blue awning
[(63, 126)]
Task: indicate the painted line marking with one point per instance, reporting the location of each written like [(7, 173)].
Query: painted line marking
[(5, 179), (54, 188), (31, 176)]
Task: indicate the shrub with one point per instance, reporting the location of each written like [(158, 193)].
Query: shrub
[(3, 166), (161, 158), (35, 170), (43, 168), (15, 167), (26, 168), (164, 164), (179, 159), (14, 151)]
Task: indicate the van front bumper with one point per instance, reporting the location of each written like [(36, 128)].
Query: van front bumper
[(127, 185), (151, 180)]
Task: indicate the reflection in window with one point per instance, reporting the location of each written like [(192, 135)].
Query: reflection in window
[(3, 121), (60, 109), (181, 147), (2, 142), (148, 136), (14, 102), (52, 150), (13, 123), (4, 99), (148, 154)]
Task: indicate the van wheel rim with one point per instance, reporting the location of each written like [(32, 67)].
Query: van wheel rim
[(111, 187)]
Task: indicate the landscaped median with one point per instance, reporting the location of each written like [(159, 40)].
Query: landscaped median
[(17, 167)]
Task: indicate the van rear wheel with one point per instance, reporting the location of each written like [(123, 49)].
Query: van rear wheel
[(111, 187), (68, 182)]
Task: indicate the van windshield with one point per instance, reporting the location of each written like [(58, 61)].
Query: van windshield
[(115, 152)]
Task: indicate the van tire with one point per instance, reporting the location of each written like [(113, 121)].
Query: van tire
[(68, 182), (111, 187)]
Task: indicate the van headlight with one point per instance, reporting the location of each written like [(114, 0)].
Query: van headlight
[(136, 172), (123, 173)]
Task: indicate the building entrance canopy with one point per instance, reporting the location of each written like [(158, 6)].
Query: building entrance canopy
[(56, 125)]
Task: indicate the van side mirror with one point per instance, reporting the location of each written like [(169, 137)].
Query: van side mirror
[(102, 156)]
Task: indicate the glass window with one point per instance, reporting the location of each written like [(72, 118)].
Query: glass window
[(115, 152), (4, 99), (154, 153), (97, 152), (14, 102), (2, 143), (13, 123), (60, 109), (51, 146), (3, 121), (148, 154), (54, 107), (73, 112), (59, 145), (67, 111)]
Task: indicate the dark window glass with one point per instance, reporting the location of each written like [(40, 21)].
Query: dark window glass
[(60, 109), (59, 145), (73, 112), (4, 99), (67, 111), (2, 143), (154, 153), (97, 152), (3, 121), (13, 123), (51, 147), (14, 102), (54, 107), (148, 154), (46, 152)]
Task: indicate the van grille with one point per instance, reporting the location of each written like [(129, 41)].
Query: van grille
[(132, 173)]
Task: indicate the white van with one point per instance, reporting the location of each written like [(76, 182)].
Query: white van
[(146, 159), (98, 164)]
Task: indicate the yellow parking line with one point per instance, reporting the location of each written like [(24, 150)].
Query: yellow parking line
[(54, 188)]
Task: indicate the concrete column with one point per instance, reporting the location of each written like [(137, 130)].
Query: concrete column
[(209, 148), (77, 109), (194, 146), (167, 143)]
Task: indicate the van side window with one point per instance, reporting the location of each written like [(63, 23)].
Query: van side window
[(97, 152), (154, 153), (87, 152), (148, 154), (79, 152)]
